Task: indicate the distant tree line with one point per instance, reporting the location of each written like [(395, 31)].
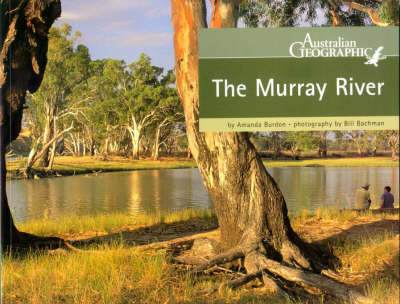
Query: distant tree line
[(101, 107), (364, 143)]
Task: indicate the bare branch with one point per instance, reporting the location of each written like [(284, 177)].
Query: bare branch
[(362, 8)]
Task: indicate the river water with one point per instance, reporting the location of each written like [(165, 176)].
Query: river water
[(152, 191)]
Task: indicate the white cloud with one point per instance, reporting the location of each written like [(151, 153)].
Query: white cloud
[(116, 25), (157, 12), (145, 39)]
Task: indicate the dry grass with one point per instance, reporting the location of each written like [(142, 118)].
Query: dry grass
[(75, 226), (366, 244), (336, 162)]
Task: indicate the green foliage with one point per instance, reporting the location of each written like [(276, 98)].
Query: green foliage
[(66, 73), (389, 12), (301, 141), (273, 13), (103, 99)]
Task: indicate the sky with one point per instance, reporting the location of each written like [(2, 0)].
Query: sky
[(123, 29)]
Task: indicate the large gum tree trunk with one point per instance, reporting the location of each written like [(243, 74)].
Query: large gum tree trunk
[(251, 209), (23, 57)]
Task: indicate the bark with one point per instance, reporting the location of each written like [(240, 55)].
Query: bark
[(53, 147), (249, 205), (32, 153), (158, 138), (48, 134), (276, 145), (156, 146), (135, 134), (24, 42), (394, 144), (322, 145)]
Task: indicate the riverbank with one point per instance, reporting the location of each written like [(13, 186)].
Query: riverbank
[(67, 165), (128, 260)]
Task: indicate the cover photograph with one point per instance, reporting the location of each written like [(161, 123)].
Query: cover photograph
[(199, 151)]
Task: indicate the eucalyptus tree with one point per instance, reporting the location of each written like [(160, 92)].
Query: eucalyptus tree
[(67, 70), (277, 140), (298, 142), (392, 140), (266, 13), (251, 210), (322, 143), (141, 96), (168, 115)]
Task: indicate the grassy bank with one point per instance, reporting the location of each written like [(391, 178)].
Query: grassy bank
[(336, 162), (74, 227), (117, 271), (66, 165)]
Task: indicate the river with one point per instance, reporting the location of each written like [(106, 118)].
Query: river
[(152, 191)]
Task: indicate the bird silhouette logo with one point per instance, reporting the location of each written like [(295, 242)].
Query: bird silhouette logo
[(376, 57)]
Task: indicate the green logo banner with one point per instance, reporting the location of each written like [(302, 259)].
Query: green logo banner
[(296, 79)]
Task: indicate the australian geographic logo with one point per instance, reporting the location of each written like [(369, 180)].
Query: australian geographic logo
[(334, 48)]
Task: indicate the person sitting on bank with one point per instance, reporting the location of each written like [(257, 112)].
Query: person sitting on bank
[(363, 198), (387, 198)]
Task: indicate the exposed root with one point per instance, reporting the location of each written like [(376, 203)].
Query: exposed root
[(292, 255), (258, 265), (327, 285), (234, 283), (229, 256), (273, 285)]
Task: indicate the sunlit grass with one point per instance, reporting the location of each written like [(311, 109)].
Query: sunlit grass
[(110, 223), (338, 215), (120, 273), (336, 162)]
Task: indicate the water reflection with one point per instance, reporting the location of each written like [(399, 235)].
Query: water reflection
[(161, 190)]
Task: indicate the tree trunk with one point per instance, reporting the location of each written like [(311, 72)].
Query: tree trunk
[(53, 147), (32, 155), (135, 139), (156, 146), (48, 135), (322, 145), (23, 58), (394, 143), (394, 154), (251, 209), (52, 156)]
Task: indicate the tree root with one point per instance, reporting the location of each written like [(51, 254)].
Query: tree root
[(325, 284), (258, 265), (234, 283), (229, 256)]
